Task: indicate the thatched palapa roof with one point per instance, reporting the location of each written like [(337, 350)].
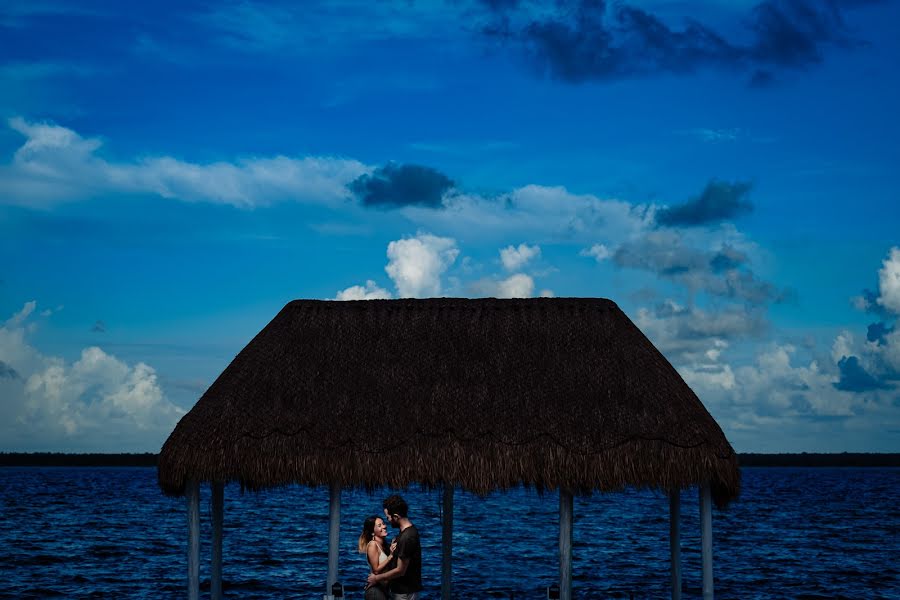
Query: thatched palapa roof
[(485, 394)]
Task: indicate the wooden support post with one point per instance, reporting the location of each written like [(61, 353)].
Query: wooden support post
[(706, 550), (192, 492), (215, 574), (565, 544), (334, 530), (447, 544), (675, 541)]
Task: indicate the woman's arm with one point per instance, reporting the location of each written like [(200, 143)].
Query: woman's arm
[(398, 571), (373, 552)]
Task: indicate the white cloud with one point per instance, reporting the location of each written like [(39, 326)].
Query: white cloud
[(537, 211), (55, 164), (775, 385), (779, 402), (880, 357), (691, 335), (599, 251), (712, 260), (416, 264), (97, 403), (370, 291), (518, 285), (842, 346), (709, 376), (860, 303), (515, 258), (775, 404), (890, 353), (889, 282), (19, 317)]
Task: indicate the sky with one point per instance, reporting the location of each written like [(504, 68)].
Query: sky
[(172, 174)]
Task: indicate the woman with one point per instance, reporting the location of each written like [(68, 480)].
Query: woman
[(372, 543)]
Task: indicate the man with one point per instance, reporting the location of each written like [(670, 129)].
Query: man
[(405, 577)]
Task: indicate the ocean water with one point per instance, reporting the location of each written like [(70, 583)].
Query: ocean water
[(801, 533)]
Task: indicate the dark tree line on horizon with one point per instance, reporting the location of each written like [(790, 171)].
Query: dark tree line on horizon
[(63, 459)]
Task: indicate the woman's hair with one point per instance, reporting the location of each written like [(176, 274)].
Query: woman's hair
[(368, 533)]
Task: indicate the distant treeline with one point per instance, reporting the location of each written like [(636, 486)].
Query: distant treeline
[(58, 459), (804, 459)]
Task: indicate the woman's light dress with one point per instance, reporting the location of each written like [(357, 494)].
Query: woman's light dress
[(377, 592)]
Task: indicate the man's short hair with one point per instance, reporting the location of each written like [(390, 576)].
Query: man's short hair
[(396, 505)]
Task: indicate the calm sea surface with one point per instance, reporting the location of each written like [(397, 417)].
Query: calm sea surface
[(110, 533)]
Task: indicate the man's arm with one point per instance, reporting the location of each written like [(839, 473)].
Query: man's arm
[(373, 553), (398, 571)]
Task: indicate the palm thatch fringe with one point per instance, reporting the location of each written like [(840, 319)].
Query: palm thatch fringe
[(486, 394)]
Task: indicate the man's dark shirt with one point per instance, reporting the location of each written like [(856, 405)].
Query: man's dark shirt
[(408, 548)]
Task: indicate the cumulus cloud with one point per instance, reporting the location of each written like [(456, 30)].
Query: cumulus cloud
[(872, 364), (584, 40), (867, 301), (720, 270), (878, 332), (696, 336), (881, 358), (518, 285), (416, 264), (599, 252), (97, 403), (18, 318), (854, 378), (402, 185), (875, 363), (801, 395), (56, 164), (719, 201), (514, 258), (775, 386), (842, 346), (727, 258), (782, 402), (7, 371), (889, 282), (853, 391), (888, 353), (49, 311), (710, 374), (536, 211), (370, 291)]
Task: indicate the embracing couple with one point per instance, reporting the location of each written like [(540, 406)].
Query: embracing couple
[(396, 569)]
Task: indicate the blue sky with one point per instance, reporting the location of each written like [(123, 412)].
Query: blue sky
[(172, 174)]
